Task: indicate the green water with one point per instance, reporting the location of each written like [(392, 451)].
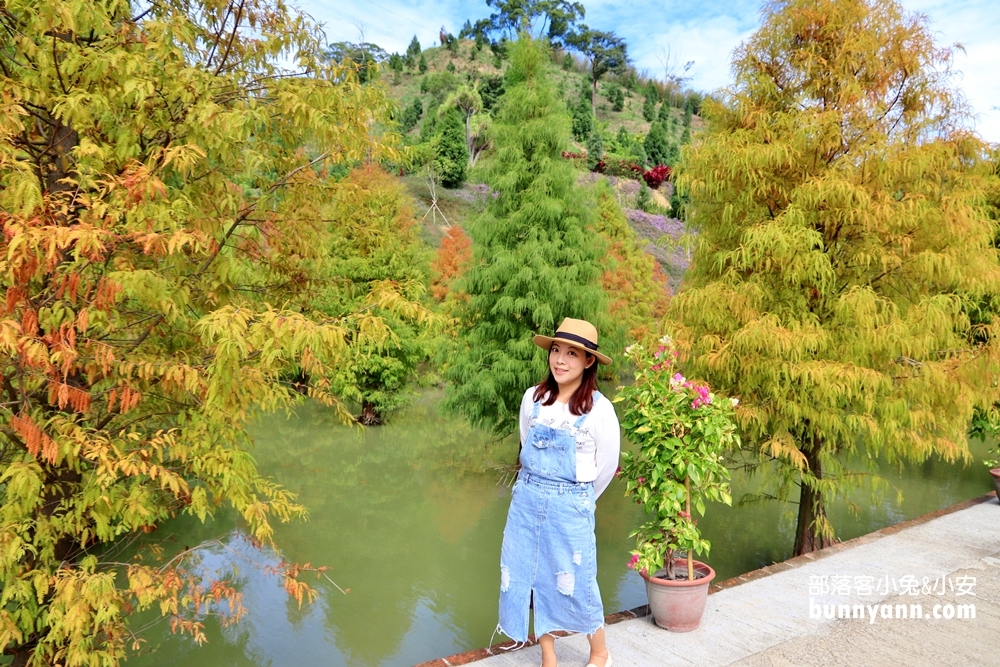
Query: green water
[(409, 519)]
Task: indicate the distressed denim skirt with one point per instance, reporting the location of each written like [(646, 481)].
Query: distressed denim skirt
[(549, 554)]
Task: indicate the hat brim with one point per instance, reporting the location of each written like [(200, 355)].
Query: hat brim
[(545, 342)]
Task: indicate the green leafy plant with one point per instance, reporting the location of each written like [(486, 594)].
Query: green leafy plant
[(682, 431), (986, 424)]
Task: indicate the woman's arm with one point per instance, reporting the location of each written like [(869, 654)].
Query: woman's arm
[(607, 436)]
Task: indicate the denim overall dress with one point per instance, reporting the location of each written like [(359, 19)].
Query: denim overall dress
[(549, 552)]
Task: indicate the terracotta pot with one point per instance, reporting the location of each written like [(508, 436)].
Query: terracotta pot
[(996, 480), (678, 605)]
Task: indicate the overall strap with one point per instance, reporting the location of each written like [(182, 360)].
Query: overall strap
[(534, 411), (579, 422)]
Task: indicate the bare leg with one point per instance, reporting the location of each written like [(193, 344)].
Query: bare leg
[(598, 649), (548, 644)]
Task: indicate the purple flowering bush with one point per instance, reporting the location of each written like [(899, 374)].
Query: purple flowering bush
[(683, 432)]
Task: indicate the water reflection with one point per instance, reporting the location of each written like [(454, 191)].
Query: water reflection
[(408, 520)]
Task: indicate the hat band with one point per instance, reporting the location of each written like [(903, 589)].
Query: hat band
[(576, 339)]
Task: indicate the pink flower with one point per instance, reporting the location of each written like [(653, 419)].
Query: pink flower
[(641, 480), (618, 471), (632, 561)]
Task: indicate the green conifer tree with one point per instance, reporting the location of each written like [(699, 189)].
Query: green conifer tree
[(452, 152), (413, 50), (583, 119), (638, 153), (595, 149), (657, 144), (623, 140), (411, 114), (534, 263), (666, 115), (649, 110), (618, 103), (838, 202), (423, 64)]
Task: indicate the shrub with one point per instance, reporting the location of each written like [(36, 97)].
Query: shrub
[(422, 64), (622, 168), (656, 176), (644, 200)]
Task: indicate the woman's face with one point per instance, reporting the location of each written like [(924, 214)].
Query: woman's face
[(567, 364)]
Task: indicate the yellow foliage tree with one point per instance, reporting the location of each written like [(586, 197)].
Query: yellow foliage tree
[(161, 197), (839, 202)]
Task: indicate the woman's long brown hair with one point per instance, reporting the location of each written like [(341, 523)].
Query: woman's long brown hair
[(582, 400)]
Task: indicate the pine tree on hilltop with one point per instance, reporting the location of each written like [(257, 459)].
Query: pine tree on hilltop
[(533, 263)]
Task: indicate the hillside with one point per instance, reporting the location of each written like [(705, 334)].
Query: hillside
[(447, 69)]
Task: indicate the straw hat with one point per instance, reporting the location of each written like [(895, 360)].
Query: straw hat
[(578, 333)]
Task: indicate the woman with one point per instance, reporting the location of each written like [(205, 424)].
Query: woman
[(569, 452)]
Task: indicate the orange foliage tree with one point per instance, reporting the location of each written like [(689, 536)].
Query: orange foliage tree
[(161, 202), (451, 260)]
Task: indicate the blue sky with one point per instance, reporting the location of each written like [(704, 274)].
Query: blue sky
[(705, 32)]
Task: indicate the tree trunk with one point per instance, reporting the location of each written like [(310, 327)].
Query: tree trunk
[(810, 508), (369, 415), (21, 657)]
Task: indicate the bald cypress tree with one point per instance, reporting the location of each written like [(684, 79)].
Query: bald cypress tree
[(842, 237), (534, 259)]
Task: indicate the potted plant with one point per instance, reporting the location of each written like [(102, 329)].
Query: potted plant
[(682, 431), (986, 424)]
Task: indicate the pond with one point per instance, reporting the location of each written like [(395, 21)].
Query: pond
[(408, 518)]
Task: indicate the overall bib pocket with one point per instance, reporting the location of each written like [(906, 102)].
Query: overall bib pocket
[(549, 451)]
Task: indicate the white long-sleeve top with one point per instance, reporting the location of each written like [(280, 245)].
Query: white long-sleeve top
[(598, 441)]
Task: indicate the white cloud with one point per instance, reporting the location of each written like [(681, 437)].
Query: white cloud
[(975, 24)]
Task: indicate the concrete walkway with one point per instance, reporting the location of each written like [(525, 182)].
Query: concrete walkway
[(775, 616)]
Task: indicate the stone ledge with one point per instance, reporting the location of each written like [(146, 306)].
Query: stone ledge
[(782, 566)]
